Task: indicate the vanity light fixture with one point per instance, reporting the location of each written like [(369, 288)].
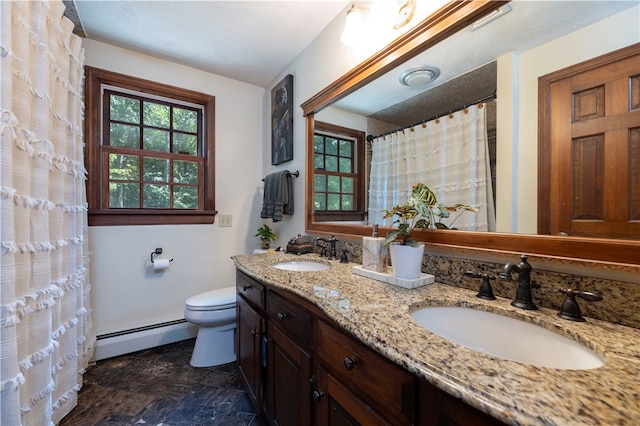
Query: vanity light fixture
[(353, 25), (406, 9), (491, 17), (419, 76), (392, 13)]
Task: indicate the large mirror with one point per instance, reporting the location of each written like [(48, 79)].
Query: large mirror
[(470, 63)]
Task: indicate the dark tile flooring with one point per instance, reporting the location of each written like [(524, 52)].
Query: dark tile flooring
[(158, 387)]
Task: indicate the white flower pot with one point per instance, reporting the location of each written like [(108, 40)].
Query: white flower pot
[(406, 261)]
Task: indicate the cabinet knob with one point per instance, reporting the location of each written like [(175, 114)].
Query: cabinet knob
[(246, 287), (317, 395), (282, 316), (254, 331), (349, 363)]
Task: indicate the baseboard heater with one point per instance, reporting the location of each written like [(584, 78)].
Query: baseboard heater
[(136, 339)]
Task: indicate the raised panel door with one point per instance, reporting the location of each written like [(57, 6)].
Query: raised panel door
[(249, 329), (593, 147)]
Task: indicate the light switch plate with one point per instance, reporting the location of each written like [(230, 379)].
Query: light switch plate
[(224, 220)]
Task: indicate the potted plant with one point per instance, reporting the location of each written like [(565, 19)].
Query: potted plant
[(421, 210), (266, 235)]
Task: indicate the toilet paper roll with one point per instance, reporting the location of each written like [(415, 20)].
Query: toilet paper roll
[(160, 264)]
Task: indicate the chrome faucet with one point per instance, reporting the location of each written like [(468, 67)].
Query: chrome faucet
[(523, 299), (333, 254)]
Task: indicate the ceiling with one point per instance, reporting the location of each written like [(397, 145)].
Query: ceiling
[(253, 41), (249, 41), (467, 60)]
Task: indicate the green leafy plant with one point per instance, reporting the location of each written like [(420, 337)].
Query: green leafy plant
[(266, 233), (421, 210)]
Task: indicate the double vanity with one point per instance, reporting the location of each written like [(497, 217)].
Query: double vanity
[(318, 344)]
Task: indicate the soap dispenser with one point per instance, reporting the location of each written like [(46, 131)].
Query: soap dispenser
[(374, 252)]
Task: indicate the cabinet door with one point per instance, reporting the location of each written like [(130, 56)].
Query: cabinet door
[(288, 386), (438, 408), (249, 328), (374, 379), (336, 405)]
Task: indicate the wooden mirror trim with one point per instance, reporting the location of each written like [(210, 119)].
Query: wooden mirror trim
[(451, 18), (447, 20)]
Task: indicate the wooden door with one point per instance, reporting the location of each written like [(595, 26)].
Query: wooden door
[(589, 174)]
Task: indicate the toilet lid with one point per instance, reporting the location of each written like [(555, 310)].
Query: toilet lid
[(223, 298)]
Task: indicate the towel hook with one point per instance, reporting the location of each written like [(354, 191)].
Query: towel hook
[(158, 251)]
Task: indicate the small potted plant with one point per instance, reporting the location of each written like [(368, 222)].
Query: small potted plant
[(421, 210), (266, 235)]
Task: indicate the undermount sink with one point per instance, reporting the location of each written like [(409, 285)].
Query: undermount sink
[(302, 266), (506, 338)]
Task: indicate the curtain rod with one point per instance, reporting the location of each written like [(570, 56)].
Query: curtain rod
[(486, 98)]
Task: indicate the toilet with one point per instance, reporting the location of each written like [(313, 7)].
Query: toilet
[(214, 312)]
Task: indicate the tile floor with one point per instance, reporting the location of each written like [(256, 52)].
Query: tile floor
[(158, 387)]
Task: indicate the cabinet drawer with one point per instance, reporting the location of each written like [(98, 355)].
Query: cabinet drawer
[(375, 379), (292, 319), (251, 289)]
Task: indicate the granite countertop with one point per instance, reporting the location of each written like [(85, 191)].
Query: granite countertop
[(518, 394)]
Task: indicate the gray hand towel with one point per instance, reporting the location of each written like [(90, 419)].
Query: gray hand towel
[(278, 196)]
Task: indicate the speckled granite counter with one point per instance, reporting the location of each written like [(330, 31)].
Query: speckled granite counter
[(519, 394)]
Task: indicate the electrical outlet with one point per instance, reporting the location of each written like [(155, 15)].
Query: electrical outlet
[(225, 220)]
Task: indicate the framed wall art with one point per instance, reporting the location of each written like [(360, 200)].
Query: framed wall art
[(282, 121)]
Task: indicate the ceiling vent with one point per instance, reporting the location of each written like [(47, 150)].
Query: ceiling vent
[(419, 76)]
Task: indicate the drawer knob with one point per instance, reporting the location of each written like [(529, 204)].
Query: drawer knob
[(317, 395), (349, 363), (282, 316), (246, 287)]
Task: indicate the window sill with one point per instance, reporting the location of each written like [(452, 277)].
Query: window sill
[(332, 216), (125, 217)]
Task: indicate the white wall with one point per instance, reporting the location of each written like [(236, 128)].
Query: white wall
[(518, 145), (322, 62), (126, 293)]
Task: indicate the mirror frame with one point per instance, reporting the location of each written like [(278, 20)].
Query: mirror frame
[(451, 18)]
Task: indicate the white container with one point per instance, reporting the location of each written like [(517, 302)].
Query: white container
[(406, 260)]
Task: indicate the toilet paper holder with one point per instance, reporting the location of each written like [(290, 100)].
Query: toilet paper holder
[(157, 252)]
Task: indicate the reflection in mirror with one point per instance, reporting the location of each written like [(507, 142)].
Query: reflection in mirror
[(450, 155), (385, 104), (356, 98)]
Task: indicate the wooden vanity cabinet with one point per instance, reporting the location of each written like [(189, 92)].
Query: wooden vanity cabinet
[(250, 328), (365, 384), (300, 368), (439, 408), (288, 366), (336, 404)]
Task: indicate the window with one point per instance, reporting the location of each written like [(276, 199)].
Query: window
[(150, 152), (338, 184)]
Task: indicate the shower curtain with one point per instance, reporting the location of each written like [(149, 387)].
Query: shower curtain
[(46, 334), (449, 154)]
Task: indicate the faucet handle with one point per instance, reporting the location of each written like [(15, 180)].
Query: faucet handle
[(570, 309), (486, 292)]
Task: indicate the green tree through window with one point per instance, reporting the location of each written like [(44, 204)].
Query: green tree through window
[(337, 178), (154, 154)]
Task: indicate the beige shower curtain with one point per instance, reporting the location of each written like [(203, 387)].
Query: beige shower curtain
[(46, 333), (449, 154)]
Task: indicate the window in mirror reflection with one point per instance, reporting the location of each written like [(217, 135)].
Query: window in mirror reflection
[(338, 193)]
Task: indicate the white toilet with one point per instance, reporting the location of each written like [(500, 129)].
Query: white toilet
[(214, 312)]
